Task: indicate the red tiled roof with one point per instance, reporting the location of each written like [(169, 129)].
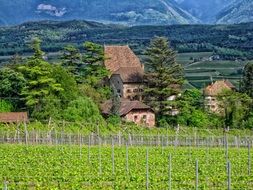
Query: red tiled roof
[(229, 84), (130, 74), (217, 87), (13, 117), (122, 61), (125, 107), (120, 56)]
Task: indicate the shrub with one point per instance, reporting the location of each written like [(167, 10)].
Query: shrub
[(83, 110), (5, 106)]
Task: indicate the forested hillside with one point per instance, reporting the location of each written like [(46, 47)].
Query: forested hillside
[(228, 41)]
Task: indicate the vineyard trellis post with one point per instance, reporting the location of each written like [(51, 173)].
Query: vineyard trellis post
[(130, 139), (239, 140), (70, 139), (80, 145), (236, 142), (127, 161), (226, 146), (119, 139), (89, 148), (176, 140), (61, 137), (113, 166), (195, 137), (197, 174), (26, 133), (147, 171), (228, 175), (99, 156), (18, 133), (56, 137), (249, 159), (170, 171), (162, 144), (5, 185)]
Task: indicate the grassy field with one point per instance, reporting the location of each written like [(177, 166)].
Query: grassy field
[(109, 167)]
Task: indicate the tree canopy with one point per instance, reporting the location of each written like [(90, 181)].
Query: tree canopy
[(38, 74), (164, 76), (247, 80), (235, 108)]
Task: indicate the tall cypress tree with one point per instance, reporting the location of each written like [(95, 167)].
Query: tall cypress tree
[(164, 76), (247, 81)]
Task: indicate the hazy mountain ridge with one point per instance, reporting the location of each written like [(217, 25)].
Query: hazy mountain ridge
[(205, 10), (130, 12), (238, 12)]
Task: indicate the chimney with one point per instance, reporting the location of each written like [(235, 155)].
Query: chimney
[(143, 67)]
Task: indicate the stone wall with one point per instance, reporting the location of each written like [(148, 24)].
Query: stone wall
[(133, 91), (116, 81), (211, 104)]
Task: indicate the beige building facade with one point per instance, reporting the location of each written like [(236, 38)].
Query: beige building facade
[(141, 117), (126, 71), (132, 111), (211, 93)]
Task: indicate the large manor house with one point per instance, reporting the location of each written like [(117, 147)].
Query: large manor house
[(127, 78)]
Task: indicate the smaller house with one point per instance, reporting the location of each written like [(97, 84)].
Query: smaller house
[(14, 117), (212, 91), (132, 111)]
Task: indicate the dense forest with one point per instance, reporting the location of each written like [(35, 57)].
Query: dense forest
[(228, 41)]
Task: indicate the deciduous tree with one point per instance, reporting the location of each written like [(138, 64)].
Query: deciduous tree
[(235, 108)]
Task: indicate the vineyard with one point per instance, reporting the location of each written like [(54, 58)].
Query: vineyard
[(200, 69), (114, 166)]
